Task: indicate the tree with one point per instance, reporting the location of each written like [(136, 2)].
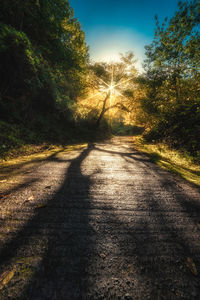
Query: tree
[(112, 84), (43, 49), (174, 53), (171, 80)]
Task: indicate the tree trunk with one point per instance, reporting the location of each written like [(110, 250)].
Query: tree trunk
[(103, 110)]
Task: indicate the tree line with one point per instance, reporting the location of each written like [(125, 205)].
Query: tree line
[(43, 58), (49, 86), (171, 106)]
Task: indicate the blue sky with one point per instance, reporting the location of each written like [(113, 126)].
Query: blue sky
[(117, 26)]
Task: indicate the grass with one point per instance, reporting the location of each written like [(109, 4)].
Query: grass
[(12, 167), (35, 153), (175, 161), (31, 151), (16, 140)]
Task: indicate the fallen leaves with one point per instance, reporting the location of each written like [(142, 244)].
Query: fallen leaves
[(6, 276), (3, 196), (23, 268), (191, 266), (102, 255), (48, 187), (26, 266)]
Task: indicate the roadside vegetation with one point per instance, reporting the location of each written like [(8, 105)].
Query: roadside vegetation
[(175, 161), (171, 106), (52, 95), (43, 59)]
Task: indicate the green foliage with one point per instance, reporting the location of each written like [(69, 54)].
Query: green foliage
[(126, 130), (171, 105), (9, 137), (27, 71), (179, 127), (43, 51)]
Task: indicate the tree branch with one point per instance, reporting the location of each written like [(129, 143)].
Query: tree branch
[(119, 105)]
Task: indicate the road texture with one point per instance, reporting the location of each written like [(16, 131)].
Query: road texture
[(103, 222)]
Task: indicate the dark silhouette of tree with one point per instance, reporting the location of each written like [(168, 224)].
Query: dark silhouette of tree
[(116, 81)]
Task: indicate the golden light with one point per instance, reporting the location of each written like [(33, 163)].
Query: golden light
[(111, 87)]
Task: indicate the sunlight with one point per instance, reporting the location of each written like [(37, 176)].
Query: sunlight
[(111, 87), (123, 82), (106, 44), (109, 56), (103, 81)]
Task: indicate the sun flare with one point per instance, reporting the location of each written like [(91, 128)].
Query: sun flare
[(111, 87)]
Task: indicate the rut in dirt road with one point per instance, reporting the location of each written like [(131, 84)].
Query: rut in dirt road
[(103, 222)]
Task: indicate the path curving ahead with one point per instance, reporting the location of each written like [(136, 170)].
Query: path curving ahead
[(99, 223)]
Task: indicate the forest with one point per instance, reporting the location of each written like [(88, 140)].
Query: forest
[(99, 159), (52, 93)]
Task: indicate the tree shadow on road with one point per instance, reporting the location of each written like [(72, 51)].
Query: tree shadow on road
[(143, 250), (60, 236), (159, 237)]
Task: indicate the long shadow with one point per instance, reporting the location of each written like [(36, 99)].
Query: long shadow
[(10, 170), (154, 255), (133, 155), (60, 234), (153, 247), (188, 204), (158, 245), (149, 158)]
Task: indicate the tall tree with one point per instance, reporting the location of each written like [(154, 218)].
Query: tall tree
[(115, 84), (172, 78), (43, 48)]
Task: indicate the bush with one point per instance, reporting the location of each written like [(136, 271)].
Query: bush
[(179, 127)]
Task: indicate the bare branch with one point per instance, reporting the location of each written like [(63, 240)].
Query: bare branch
[(119, 105)]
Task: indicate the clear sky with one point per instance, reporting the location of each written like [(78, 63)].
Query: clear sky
[(117, 26)]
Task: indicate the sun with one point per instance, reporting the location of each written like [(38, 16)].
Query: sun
[(111, 87)]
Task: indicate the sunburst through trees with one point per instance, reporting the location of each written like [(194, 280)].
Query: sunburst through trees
[(111, 90)]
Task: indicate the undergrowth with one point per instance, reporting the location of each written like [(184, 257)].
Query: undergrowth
[(176, 161), (43, 134)]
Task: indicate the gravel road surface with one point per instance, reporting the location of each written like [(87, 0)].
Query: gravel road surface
[(103, 222)]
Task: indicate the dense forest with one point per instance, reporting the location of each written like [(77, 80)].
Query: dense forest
[(43, 61), (171, 105), (51, 92)]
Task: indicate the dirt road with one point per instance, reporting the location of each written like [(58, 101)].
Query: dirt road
[(103, 222)]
